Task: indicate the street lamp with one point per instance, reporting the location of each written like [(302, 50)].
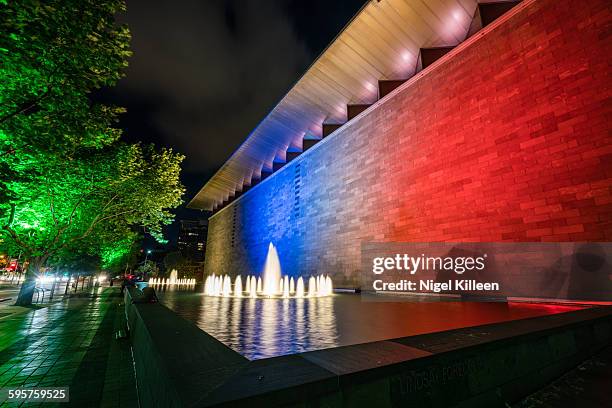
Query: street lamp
[(147, 255)]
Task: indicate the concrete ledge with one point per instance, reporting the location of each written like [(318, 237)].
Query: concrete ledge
[(178, 365), (480, 366)]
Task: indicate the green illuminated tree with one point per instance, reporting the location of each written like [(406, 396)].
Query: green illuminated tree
[(67, 185), (90, 204), (53, 54), (114, 252), (116, 255)]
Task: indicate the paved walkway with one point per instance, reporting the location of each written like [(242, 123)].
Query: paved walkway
[(70, 343)]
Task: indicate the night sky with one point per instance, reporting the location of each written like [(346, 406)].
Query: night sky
[(205, 73)]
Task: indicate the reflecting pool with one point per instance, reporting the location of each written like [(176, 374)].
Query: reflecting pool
[(261, 328)]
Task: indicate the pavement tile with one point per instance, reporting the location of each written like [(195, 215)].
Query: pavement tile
[(70, 343)]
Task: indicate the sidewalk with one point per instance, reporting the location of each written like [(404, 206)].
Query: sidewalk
[(41, 298), (70, 343)]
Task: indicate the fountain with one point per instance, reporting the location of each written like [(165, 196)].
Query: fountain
[(227, 286), (299, 292), (272, 272), (312, 287), (173, 280), (273, 284), (285, 287), (238, 287)]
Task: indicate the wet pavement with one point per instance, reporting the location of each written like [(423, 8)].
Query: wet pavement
[(70, 343)]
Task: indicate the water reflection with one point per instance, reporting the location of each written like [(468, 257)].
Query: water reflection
[(170, 293), (260, 328)]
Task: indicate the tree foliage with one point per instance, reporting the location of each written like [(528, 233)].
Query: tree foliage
[(93, 203), (68, 186), (54, 53), (148, 268)]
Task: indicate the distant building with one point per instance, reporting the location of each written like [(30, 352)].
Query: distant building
[(192, 239)]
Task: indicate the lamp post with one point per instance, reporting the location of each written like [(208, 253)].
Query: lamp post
[(147, 255)]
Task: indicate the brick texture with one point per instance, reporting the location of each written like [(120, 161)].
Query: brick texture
[(508, 140)]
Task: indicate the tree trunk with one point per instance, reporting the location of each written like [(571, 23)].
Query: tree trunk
[(67, 284), (29, 283)]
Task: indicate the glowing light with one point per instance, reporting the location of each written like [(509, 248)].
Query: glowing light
[(44, 279), (238, 287), (318, 286), (286, 288), (300, 288), (182, 281), (370, 87), (312, 287), (227, 286), (273, 284), (272, 272)]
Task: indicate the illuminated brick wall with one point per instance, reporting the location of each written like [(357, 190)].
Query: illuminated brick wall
[(509, 140)]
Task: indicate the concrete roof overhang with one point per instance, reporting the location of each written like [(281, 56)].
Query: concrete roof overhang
[(382, 42)]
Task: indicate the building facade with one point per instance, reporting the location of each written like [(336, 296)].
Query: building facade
[(504, 137), (192, 239)]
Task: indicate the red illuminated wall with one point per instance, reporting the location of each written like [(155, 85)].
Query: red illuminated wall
[(508, 140)]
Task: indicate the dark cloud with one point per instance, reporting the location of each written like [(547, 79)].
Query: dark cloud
[(208, 71), (205, 73)]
